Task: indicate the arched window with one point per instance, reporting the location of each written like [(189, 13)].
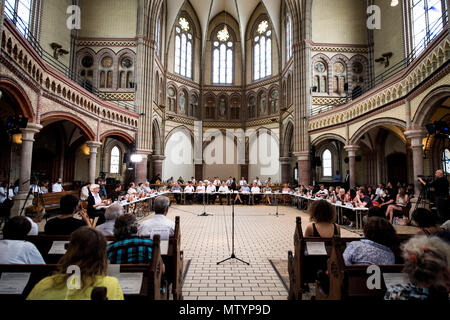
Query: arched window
[(251, 107), (106, 72), (183, 48), (446, 160), (262, 51), (426, 22), (288, 37), (114, 160), (327, 163), (126, 75), (158, 35), (223, 57), (87, 71), (19, 10)]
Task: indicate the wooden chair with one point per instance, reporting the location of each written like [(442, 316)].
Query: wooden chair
[(350, 282), (151, 283)]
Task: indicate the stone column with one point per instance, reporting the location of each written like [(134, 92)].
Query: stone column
[(285, 163), (93, 146), (22, 199), (351, 149), (416, 134), (304, 168), (157, 161), (141, 168)]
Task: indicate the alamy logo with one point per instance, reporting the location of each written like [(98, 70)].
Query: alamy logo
[(374, 19), (374, 280), (74, 20), (74, 281)]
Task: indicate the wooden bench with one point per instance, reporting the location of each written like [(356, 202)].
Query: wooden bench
[(151, 281), (50, 201), (302, 268), (350, 282), (173, 260)]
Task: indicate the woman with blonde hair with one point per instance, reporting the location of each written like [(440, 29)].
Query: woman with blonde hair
[(401, 201), (427, 266), (87, 251)]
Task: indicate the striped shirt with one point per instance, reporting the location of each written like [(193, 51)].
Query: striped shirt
[(130, 251)]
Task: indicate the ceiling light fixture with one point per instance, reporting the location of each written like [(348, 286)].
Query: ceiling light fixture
[(224, 35), (394, 3)]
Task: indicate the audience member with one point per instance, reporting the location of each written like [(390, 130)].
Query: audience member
[(427, 261), (13, 247), (159, 221), (427, 221), (223, 190), (57, 186), (87, 250), (112, 212), (323, 220), (95, 206), (401, 202), (376, 248), (66, 223), (116, 194), (34, 214)]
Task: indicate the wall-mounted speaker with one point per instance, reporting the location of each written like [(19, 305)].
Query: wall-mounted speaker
[(346, 159), (358, 158)]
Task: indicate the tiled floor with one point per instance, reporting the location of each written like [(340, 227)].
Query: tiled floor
[(258, 238)]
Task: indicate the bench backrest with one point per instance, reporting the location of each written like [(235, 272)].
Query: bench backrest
[(151, 280), (51, 200)]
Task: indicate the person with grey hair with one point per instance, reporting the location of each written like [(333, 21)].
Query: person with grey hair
[(112, 212), (427, 266), (159, 222)]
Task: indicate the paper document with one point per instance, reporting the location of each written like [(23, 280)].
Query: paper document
[(392, 279), (316, 248), (130, 282), (164, 245), (58, 247), (13, 282)]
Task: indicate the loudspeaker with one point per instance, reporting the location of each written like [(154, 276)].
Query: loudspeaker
[(126, 158), (346, 86), (358, 158), (346, 159)]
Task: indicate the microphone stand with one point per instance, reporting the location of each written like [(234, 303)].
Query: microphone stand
[(276, 213), (233, 256), (204, 214)]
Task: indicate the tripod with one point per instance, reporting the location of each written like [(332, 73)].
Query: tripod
[(233, 256), (204, 214), (422, 197)]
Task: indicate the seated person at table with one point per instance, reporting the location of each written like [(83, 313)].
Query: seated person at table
[(256, 189), (323, 218), (340, 196), (427, 221), (217, 183), (95, 207), (386, 199), (188, 193), (87, 250), (268, 189), (147, 188), (200, 192), (223, 190), (13, 248), (210, 190), (180, 180), (268, 181), (362, 199), (229, 181), (140, 189), (257, 181), (322, 193), (332, 194), (401, 201), (310, 191), (66, 223), (427, 266), (34, 214), (159, 221), (128, 248), (242, 181), (376, 248), (245, 189), (112, 212), (116, 195), (132, 189), (176, 189)]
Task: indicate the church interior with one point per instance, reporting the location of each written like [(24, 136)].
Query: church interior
[(306, 140)]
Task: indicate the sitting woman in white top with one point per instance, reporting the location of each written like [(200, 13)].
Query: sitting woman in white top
[(13, 248), (34, 214), (111, 214), (159, 223)]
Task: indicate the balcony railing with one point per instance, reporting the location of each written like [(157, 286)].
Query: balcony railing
[(48, 58), (395, 69)]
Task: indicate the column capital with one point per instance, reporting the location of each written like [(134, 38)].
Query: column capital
[(144, 152), (302, 155), (351, 147), (285, 160), (158, 157), (93, 144), (29, 132), (415, 133)]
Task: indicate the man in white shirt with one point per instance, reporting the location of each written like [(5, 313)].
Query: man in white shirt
[(147, 188), (322, 193), (13, 248), (132, 189), (268, 181), (188, 196), (217, 183), (256, 197), (242, 182), (159, 223), (193, 180), (257, 181), (57, 186), (200, 192), (223, 190), (229, 181), (111, 214), (211, 196)]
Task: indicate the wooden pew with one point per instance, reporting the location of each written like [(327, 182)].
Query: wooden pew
[(303, 268), (50, 201), (150, 288), (350, 282), (173, 260)]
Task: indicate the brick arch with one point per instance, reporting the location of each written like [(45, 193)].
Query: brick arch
[(125, 137), (429, 103), (71, 118), (18, 93), (327, 136), (380, 122)]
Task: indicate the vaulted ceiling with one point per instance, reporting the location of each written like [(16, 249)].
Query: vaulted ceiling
[(241, 10)]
